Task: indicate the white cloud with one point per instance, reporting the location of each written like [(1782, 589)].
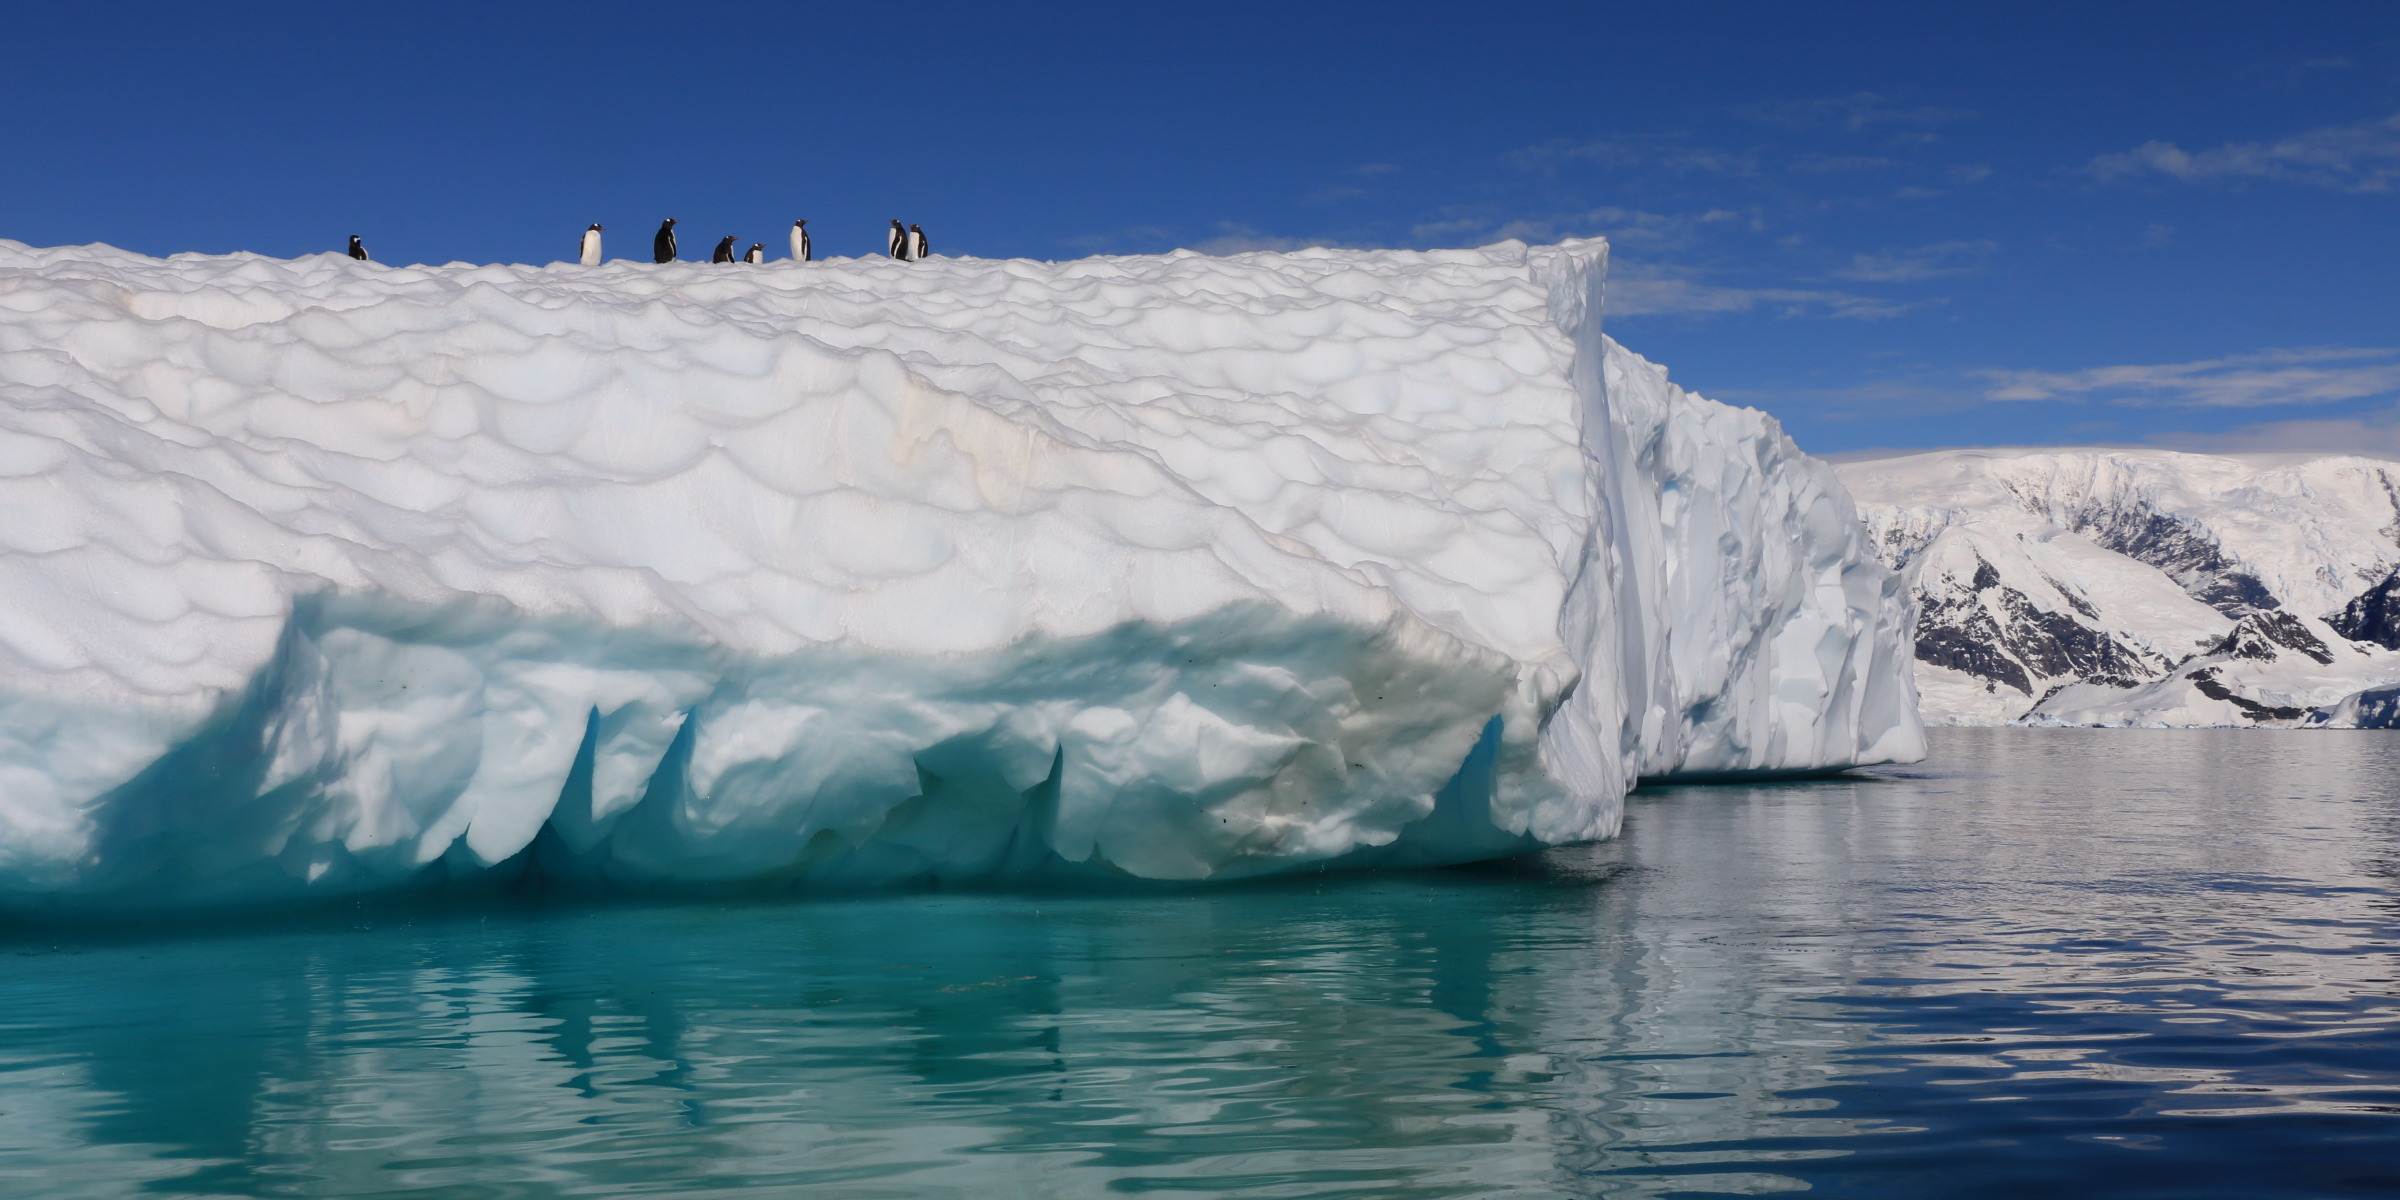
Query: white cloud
[(1854, 112), (2371, 437), (1241, 239), (1829, 164), (1925, 262), (1116, 241), (1621, 226), (1657, 153), (2319, 375), (2348, 158), (1666, 296)]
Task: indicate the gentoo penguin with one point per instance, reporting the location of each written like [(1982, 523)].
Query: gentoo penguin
[(758, 253), (662, 247), (724, 251), (897, 244), (916, 242), (358, 249), (590, 250), (800, 240)]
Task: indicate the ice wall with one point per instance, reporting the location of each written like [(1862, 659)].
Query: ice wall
[(327, 575)]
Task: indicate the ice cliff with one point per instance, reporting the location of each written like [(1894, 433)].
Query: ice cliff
[(322, 576), (2144, 587)]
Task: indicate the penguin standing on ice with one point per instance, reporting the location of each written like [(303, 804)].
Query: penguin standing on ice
[(358, 249), (800, 240), (758, 253), (724, 252), (916, 242), (662, 247), (589, 251), (897, 244)]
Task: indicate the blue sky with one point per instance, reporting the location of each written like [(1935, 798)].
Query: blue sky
[(1892, 225)]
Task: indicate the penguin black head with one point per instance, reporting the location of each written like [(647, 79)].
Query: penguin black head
[(598, 225), (800, 222), (913, 225)]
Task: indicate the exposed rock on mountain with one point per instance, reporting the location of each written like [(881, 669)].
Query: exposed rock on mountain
[(2141, 587), (2374, 616)]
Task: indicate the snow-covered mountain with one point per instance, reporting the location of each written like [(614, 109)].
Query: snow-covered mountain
[(324, 575), (2142, 587)]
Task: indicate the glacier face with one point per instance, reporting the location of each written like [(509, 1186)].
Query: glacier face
[(2142, 587), (326, 575)]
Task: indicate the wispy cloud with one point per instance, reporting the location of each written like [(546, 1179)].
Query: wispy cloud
[(2318, 375), (1234, 238), (1856, 112), (1621, 226), (1665, 154), (1354, 187), (1830, 164), (2347, 158), (1131, 239), (2377, 436), (1669, 296), (2292, 72), (1925, 262)]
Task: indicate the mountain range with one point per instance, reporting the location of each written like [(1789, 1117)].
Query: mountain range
[(2144, 587)]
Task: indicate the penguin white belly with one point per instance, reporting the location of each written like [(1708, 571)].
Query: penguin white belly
[(799, 247), (591, 249)]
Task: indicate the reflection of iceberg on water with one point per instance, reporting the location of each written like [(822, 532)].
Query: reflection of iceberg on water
[(324, 575), (1517, 1038)]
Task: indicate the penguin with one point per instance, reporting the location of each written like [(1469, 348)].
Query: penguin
[(358, 249), (758, 253), (662, 247), (724, 252), (916, 242), (589, 251), (800, 240), (897, 244)]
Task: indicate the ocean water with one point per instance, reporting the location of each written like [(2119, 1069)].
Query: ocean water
[(2045, 962)]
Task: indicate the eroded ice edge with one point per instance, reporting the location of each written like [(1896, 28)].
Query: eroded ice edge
[(323, 576)]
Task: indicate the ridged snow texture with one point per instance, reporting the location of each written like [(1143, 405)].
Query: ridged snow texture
[(324, 575)]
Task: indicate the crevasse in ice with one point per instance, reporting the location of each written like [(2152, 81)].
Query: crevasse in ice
[(321, 576)]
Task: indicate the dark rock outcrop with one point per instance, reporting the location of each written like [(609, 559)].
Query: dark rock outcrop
[(1997, 633), (2210, 686), (2262, 636), (2185, 552), (2373, 617)]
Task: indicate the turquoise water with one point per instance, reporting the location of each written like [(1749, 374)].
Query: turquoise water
[(2045, 962)]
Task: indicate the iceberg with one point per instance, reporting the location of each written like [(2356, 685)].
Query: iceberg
[(327, 576)]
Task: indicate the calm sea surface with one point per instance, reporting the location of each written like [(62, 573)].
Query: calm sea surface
[(2075, 963)]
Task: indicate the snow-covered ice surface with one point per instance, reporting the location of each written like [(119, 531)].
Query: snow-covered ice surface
[(322, 576), (2142, 587)]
